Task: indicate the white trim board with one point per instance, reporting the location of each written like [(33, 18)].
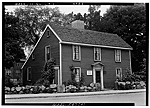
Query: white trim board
[(103, 46)]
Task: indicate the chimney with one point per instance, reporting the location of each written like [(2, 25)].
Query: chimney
[(78, 24)]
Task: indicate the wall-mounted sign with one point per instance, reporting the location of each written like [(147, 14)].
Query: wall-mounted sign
[(89, 72)]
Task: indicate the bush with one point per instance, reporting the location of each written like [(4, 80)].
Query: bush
[(8, 82), (41, 82)]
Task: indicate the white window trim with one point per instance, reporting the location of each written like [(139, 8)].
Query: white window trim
[(28, 74), (80, 71), (116, 55), (99, 55), (120, 70), (46, 52), (74, 52)]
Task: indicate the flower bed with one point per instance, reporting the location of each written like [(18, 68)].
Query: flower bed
[(130, 85), (53, 88)]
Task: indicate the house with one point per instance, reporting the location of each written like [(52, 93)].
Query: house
[(15, 72), (100, 57)]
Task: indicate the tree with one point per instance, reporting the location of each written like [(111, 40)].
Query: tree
[(129, 22), (93, 18), (31, 19), (48, 73), (8, 82), (14, 36)]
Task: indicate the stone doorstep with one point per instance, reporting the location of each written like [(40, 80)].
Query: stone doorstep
[(45, 95)]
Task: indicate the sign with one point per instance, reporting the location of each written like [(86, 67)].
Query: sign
[(89, 72)]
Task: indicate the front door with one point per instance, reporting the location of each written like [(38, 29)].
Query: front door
[(98, 80)]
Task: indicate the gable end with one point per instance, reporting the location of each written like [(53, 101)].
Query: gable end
[(48, 26)]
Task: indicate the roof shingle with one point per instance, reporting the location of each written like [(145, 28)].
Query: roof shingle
[(67, 34)]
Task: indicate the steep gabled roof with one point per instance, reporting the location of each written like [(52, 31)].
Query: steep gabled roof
[(67, 34)]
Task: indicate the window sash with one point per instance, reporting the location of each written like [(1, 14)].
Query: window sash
[(8, 72), (118, 55), (76, 53), (77, 72), (47, 53), (119, 73), (97, 54)]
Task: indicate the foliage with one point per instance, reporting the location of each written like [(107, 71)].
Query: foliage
[(73, 81), (31, 19), (131, 77), (48, 72), (8, 82), (14, 37), (129, 22), (43, 82)]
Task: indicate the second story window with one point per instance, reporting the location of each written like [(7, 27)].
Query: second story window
[(47, 53), (97, 54), (76, 53), (117, 55)]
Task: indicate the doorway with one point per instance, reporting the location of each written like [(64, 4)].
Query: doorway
[(98, 77)]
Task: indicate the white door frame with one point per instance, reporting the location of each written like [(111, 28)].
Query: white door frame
[(101, 76)]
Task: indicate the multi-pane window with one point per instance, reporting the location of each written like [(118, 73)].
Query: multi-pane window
[(17, 72), (76, 53), (97, 54), (119, 73), (29, 74), (77, 72), (118, 55), (8, 72), (47, 53)]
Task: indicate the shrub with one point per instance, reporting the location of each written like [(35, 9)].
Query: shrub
[(41, 82), (8, 82)]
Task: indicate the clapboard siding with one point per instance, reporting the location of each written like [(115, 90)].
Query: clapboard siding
[(39, 55), (87, 58)]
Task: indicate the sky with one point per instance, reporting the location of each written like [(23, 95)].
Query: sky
[(68, 8)]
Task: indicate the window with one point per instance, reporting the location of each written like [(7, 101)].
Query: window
[(119, 73), (8, 72), (47, 53), (76, 53), (118, 55), (29, 74), (48, 33), (97, 54), (17, 72), (77, 72)]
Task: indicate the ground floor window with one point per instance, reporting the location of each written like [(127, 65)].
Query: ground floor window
[(119, 73), (29, 74), (77, 72), (17, 72), (8, 72)]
